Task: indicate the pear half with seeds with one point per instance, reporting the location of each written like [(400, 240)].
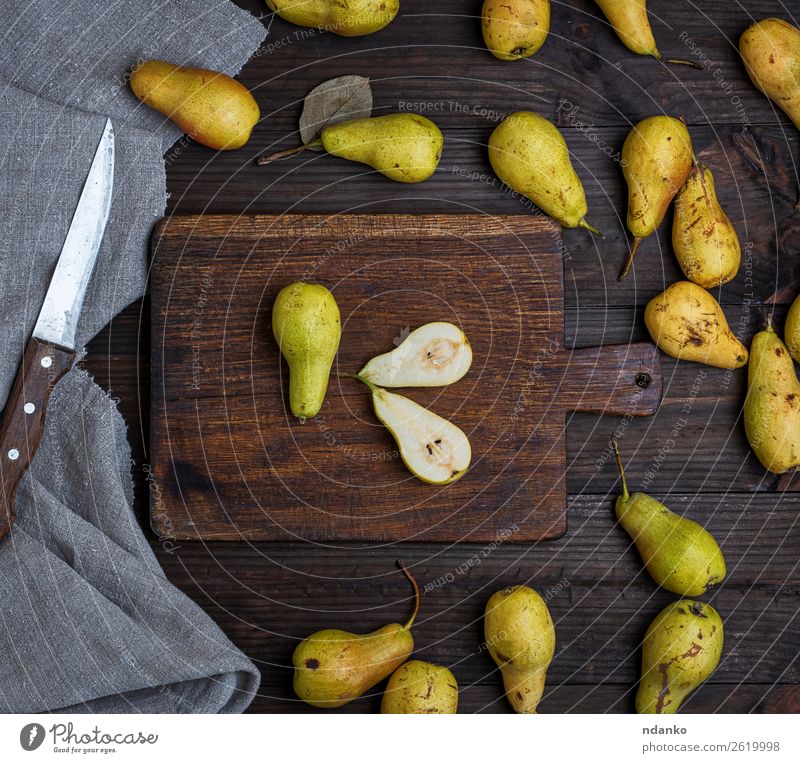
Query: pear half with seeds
[(434, 449), (434, 355)]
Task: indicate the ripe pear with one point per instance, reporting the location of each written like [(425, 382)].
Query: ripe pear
[(514, 29), (420, 688), (681, 649), (772, 407), (353, 18), (403, 147), (531, 157), (656, 160), (679, 554), (307, 327), (704, 239), (333, 667), (208, 106), (771, 53), (434, 355), (791, 332), (521, 638), (686, 322), (630, 22), (434, 449)]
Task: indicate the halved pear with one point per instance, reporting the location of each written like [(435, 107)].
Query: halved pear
[(434, 449), (434, 355)]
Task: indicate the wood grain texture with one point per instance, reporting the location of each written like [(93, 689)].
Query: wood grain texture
[(234, 464), (266, 595)]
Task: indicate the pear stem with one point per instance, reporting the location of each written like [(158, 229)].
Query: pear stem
[(682, 62), (414, 585), (262, 160), (625, 493), (629, 262), (590, 228)]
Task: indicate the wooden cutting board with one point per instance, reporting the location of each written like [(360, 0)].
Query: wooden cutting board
[(230, 462)]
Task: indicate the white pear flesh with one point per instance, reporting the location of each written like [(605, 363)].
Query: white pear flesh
[(434, 449), (434, 355)]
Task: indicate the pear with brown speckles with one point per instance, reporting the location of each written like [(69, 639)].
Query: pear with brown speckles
[(772, 407), (686, 322), (421, 688), (333, 667), (681, 649)]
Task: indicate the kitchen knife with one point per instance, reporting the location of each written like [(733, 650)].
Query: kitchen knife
[(51, 350)]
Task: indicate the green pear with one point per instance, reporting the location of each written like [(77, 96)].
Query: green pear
[(791, 331), (772, 407), (403, 147), (208, 106), (434, 449), (681, 649), (530, 156), (679, 554), (630, 22), (521, 639), (307, 327), (704, 239), (352, 18), (514, 29), (420, 688), (771, 53), (333, 667), (686, 322), (434, 355), (656, 161)]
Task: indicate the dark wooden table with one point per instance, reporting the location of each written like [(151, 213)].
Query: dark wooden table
[(693, 454)]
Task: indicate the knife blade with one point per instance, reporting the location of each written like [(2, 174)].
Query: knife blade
[(51, 350)]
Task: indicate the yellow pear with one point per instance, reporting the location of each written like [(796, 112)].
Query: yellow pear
[(656, 160), (771, 53), (352, 18), (403, 147), (680, 555), (333, 667), (685, 321), (630, 22), (421, 688), (530, 156), (514, 29), (704, 239), (792, 330), (307, 327), (521, 639), (772, 407), (208, 106), (681, 649)]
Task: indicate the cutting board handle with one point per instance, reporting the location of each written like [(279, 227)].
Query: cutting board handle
[(615, 379)]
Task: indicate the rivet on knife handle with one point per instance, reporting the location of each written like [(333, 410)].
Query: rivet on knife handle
[(24, 418)]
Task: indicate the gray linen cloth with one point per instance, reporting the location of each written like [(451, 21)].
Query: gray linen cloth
[(88, 621)]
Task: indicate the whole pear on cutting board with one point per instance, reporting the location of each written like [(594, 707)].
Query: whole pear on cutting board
[(352, 18), (208, 106), (521, 639), (530, 155), (772, 406), (681, 649), (333, 667), (433, 355), (704, 239), (685, 321), (514, 29), (656, 161), (680, 555), (418, 687), (771, 53), (307, 327)]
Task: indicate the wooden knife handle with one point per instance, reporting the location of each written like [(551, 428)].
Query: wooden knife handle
[(23, 419)]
